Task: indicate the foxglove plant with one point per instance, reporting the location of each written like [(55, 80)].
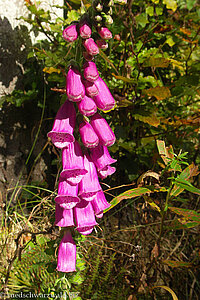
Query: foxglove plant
[(80, 197)]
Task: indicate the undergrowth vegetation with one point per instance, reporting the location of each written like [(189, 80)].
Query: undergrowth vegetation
[(147, 244)]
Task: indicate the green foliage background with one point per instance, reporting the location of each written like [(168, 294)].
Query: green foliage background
[(149, 238)]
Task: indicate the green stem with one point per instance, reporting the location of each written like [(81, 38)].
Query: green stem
[(164, 212)]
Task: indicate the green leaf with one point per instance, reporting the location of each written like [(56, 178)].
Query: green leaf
[(128, 195), (156, 62), (141, 19), (186, 174), (177, 264), (187, 213), (170, 4), (190, 4), (185, 185), (150, 11)]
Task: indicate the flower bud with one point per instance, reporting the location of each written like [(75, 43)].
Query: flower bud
[(91, 89), (102, 44), (70, 33), (88, 135), (105, 33), (105, 134), (104, 100), (85, 30), (90, 46), (90, 71), (87, 106), (74, 87), (87, 56)]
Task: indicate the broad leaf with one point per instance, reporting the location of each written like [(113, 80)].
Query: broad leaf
[(160, 92)]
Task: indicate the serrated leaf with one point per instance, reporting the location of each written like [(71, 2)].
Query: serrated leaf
[(156, 62), (160, 92), (170, 4), (152, 119)]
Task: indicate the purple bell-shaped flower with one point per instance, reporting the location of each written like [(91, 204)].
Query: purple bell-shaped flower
[(64, 217), (89, 185), (99, 204), (84, 217), (67, 254), (67, 194), (102, 160), (73, 164), (63, 127)]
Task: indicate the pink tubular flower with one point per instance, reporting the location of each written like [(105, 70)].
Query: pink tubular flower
[(89, 185), (87, 106), (91, 47), (73, 164), (106, 171), (88, 135), (74, 87), (103, 130), (67, 194), (105, 33), (104, 100), (102, 44), (90, 71), (91, 89), (99, 204), (84, 217), (70, 33), (63, 127), (67, 254), (102, 159), (64, 217), (85, 30)]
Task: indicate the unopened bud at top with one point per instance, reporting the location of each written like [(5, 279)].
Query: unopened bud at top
[(70, 33), (105, 33)]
